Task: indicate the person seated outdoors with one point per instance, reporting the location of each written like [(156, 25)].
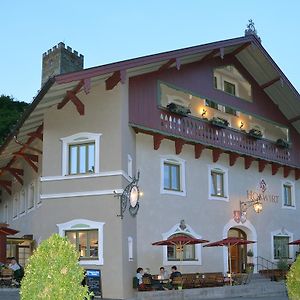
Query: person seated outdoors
[(18, 270), (174, 274), (162, 274), (155, 284), (138, 279)]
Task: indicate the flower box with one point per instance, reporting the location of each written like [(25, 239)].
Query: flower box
[(255, 133), (178, 109), (216, 121), (282, 143)]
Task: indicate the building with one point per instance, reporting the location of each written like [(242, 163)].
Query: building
[(213, 130)]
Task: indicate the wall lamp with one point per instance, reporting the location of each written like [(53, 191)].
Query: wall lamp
[(131, 195), (241, 215), (241, 124), (257, 206), (204, 111)]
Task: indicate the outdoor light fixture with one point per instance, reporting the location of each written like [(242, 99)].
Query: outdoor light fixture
[(241, 215), (204, 111), (131, 195), (241, 124), (257, 206)]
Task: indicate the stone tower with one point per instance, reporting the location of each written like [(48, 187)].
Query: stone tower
[(60, 60)]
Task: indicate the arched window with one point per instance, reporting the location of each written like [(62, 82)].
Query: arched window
[(184, 253), (191, 254), (87, 236)]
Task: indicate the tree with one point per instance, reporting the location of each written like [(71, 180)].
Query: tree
[(10, 112), (293, 279), (53, 272)]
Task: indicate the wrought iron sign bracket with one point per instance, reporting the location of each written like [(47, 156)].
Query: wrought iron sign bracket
[(131, 195)]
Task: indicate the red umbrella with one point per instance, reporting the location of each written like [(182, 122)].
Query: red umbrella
[(297, 242), (180, 241), (229, 242)]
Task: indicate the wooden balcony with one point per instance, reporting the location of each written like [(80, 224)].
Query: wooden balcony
[(196, 131)]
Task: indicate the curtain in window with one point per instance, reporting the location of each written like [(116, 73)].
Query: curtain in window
[(281, 247)]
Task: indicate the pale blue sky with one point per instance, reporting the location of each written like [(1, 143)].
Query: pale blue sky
[(113, 30)]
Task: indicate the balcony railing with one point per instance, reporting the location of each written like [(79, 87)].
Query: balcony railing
[(227, 139)]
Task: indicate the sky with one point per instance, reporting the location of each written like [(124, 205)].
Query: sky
[(106, 31)]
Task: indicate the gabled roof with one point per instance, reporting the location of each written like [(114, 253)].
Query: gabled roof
[(248, 50)]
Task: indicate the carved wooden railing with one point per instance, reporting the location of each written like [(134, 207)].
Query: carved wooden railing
[(228, 139)]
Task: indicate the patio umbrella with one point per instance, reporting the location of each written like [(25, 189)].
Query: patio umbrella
[(297, 242), (180, 241), (229, 242)]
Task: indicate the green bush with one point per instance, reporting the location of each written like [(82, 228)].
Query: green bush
[(293, 280), (53, 272)]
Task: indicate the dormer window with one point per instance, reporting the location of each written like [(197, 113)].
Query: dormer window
[(229, 80)]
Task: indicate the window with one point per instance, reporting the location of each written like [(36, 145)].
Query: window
[(130, 248), (30, 201), (81, 154), (82, 158), (87, 236), (22, 202), (129, 165), (229, 80), (288, 195), (15, 207), (191, 254), (211, 104), (230, 111), (175, 253), (173, 176), (281, 247), (217, 179), (5, 213), (218, 183), (86, 242), (229, 87)]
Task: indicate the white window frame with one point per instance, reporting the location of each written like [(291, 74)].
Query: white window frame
[(79, 138), (22, 202), (176, 161), (30, 186), (5, 208), (16, 206), (218, 168), (283, 233), (129, 166), (187, 231), (83, 224), (292, 185), (130, 248)]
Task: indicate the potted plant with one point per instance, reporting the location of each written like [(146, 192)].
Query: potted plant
[(282, 143), (220, 122), (178, 109), (283, 266), (255, 133), (250, 267)]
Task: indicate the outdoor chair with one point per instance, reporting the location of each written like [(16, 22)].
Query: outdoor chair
[(6, 276), (177, 281)]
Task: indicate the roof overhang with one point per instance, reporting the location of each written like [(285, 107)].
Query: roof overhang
[(248, 50)]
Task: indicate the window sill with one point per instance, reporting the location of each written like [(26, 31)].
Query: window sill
[(173, 192), (97, 262), (293, 207), (220, 198)]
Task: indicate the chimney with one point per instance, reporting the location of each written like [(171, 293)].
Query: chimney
[(60, 60)]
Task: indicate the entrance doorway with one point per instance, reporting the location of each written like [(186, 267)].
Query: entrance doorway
[(238, 253)]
